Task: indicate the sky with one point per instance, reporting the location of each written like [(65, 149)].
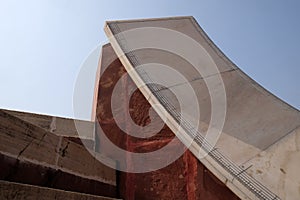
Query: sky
[(46, 44)]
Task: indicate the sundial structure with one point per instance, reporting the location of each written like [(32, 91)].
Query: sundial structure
[(173, 118)]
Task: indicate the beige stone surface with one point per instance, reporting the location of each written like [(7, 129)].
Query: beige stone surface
[(24, 141), (58, 125), (278, 166), (256, 124), (16, 191)]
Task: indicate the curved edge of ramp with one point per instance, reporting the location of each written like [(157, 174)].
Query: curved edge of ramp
[(234, 175)]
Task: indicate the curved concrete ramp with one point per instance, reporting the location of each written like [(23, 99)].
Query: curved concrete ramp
[(244, 135)]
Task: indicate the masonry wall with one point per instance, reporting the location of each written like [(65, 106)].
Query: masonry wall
[(34, 156)]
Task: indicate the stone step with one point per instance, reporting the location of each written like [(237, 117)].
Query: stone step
[(61, 126), (29, 154), (10, 190)]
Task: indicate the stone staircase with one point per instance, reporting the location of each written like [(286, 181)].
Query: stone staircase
[(29, 192), (41, 157)]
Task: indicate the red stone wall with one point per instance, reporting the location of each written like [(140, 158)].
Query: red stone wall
[(186, 178)]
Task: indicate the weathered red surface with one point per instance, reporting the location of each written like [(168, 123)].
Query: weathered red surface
[(186, 178)]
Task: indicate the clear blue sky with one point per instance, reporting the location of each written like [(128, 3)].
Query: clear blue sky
[(43, 44)]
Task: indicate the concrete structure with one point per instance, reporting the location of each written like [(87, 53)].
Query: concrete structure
[(243, 145), (256, 154)]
